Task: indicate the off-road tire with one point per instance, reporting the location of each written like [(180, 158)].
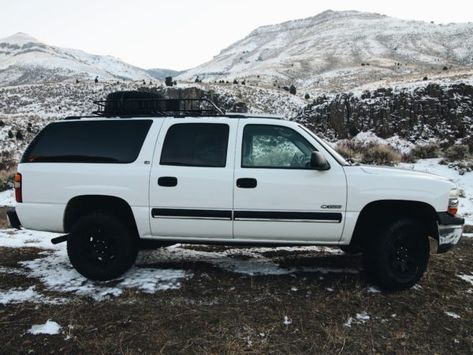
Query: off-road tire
[(101, 247), (397, 255)]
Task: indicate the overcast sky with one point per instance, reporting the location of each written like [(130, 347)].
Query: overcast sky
[(180, 34)]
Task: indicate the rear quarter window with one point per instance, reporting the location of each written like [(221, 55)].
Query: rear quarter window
[(88, 142), (196, 144)]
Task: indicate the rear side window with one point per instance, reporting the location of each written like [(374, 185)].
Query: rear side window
[(196, 144), (88, 142)]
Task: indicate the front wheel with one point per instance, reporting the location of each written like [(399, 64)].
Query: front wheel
[(397, 257), (101, 247)]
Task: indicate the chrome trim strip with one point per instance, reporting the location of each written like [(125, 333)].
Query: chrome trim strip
[(287, 220), (194, 217)]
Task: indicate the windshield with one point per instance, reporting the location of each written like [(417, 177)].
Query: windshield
[(327, 147)]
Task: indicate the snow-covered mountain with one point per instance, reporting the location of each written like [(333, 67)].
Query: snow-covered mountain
[(24, 59), (335, 48)]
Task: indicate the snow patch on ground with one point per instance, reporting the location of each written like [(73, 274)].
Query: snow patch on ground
[(360, 318), (395, 141), (53, 269), (467, 278), (49, 328), (373, 289), (453, 315), (18, 295), (57, 274), (7, 198)]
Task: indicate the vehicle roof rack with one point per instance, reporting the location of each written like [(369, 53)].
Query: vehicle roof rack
[(144, 104)]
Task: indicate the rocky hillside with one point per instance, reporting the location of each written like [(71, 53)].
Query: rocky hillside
[(443, 113), (25, 109), (25, 60), (343, 50), (427, 111)]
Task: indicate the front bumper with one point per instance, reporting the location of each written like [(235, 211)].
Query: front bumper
[(13, 219), (450, 231)]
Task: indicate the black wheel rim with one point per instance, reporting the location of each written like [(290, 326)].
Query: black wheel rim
[(99, 247), (405, 257)]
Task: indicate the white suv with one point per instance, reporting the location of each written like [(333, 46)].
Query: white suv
[(110, 182)]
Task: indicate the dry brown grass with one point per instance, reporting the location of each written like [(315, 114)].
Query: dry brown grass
[(219, 312), (6, 179), (376, 154), (457, 152), (425, 151)]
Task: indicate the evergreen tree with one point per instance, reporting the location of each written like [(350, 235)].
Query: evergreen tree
[(292, 89)]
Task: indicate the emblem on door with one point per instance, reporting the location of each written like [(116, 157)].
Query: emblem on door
[(334, 207)]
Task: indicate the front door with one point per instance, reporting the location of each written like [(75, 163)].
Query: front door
[(277, 196), (191, 184)]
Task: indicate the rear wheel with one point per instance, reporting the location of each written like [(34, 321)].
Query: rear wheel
[(397, 257), (101, 247)]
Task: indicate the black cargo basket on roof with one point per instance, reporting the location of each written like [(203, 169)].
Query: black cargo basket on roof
[(145, 104)]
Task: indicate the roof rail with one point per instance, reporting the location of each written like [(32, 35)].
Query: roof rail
[(137, 104)]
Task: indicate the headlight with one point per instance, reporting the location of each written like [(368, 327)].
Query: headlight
[(453, 202)]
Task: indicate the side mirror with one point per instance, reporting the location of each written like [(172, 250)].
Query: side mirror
[(318, 161)]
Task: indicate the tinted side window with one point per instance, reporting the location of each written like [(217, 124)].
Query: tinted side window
[(196, 144), (270, 146), (88, 142)]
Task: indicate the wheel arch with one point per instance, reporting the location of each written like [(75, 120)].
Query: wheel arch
[(82, 205), (378, 212)]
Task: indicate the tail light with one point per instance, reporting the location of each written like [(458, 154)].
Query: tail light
[(18, 192)]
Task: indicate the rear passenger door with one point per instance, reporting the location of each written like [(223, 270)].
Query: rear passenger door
[(191, 184)]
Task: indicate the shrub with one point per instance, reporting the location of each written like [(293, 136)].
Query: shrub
[(457, 152), (292, 90), (368, 153), (381, 155), (468, 141), (408, 158), (6, 179), (425, 151), (168, 81), (346, 150), (307, 96)]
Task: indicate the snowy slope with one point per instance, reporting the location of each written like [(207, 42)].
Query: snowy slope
[(348, 45), (24, 59)]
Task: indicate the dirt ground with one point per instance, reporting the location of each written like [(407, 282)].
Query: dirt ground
[(221, 312)]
